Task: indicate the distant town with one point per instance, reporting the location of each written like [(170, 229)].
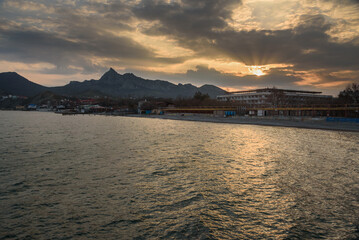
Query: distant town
[(259, 102)]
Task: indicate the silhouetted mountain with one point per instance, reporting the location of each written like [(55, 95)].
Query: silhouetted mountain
[(3, 92), (211, 90), (110, 84), (129, 85), (13, 83), (44, 98)]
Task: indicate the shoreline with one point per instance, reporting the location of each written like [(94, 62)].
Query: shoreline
[(306, 123)]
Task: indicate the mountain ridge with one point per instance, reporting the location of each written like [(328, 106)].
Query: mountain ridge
[(110, 84)]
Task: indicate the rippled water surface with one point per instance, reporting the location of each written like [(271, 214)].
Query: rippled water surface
[(80, 177)]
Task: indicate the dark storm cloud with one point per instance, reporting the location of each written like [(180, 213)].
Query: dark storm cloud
[(307, 46), (38, 46), (193, 24), (197, 25), (115, 16), (76, 37), (202, 28), (186, 17)]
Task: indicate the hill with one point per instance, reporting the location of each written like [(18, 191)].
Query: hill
[(110, 84), (13, 83), (129, 85)]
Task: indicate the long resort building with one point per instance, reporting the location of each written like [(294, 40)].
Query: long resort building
[(273, 102), (270, 97)]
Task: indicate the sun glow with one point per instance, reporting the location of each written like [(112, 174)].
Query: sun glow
[(257, 70)]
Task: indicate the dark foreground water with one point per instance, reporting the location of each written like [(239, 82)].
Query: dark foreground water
[(81, 177)]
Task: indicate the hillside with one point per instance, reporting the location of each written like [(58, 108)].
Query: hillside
[(13, 83), (129, 85), (110, 84)]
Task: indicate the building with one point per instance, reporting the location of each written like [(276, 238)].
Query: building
[(273, 97)]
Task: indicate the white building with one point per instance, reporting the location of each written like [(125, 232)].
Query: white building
[(275, 97)]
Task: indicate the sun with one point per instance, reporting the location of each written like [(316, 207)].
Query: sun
[(257, 70)]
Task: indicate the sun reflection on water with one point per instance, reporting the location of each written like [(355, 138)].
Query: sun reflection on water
[(249, 185)]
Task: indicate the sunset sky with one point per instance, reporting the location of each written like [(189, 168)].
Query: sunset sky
[(236, 45)]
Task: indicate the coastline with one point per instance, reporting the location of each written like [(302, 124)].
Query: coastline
[(307, 123)]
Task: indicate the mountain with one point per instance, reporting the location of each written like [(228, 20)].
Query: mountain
[(211, 90), (44, 98), (3, 93), (129, 85), (111, 84), (13, 83)]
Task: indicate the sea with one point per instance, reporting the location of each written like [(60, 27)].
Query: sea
[(106, 177)]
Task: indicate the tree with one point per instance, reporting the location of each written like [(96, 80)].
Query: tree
[(199, 96), (350, 94)]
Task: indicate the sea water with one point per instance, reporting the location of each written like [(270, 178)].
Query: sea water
[(86, 176)]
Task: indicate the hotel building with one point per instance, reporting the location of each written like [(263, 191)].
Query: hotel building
[(270, 97)]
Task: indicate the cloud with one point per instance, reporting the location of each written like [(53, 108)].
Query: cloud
[(343, 2), (205, 75), (317, 41), (192, 18), (26, 5), (77, 40), (251, 47), (306, 46)]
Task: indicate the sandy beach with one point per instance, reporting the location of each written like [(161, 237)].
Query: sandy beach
[(309, 123)]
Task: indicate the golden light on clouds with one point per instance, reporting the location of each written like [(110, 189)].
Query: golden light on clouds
[(161, 45), (307, 78), (345, 74), (333, 84), (229, 89), (9, 66), (265, 69), (257, 70)]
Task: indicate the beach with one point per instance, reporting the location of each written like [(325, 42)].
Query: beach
[(309, 123)]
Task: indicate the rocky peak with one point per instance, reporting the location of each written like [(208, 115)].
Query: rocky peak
[(109, 76), (130, 76)]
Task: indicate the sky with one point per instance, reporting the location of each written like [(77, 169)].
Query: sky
[(233, 44)]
